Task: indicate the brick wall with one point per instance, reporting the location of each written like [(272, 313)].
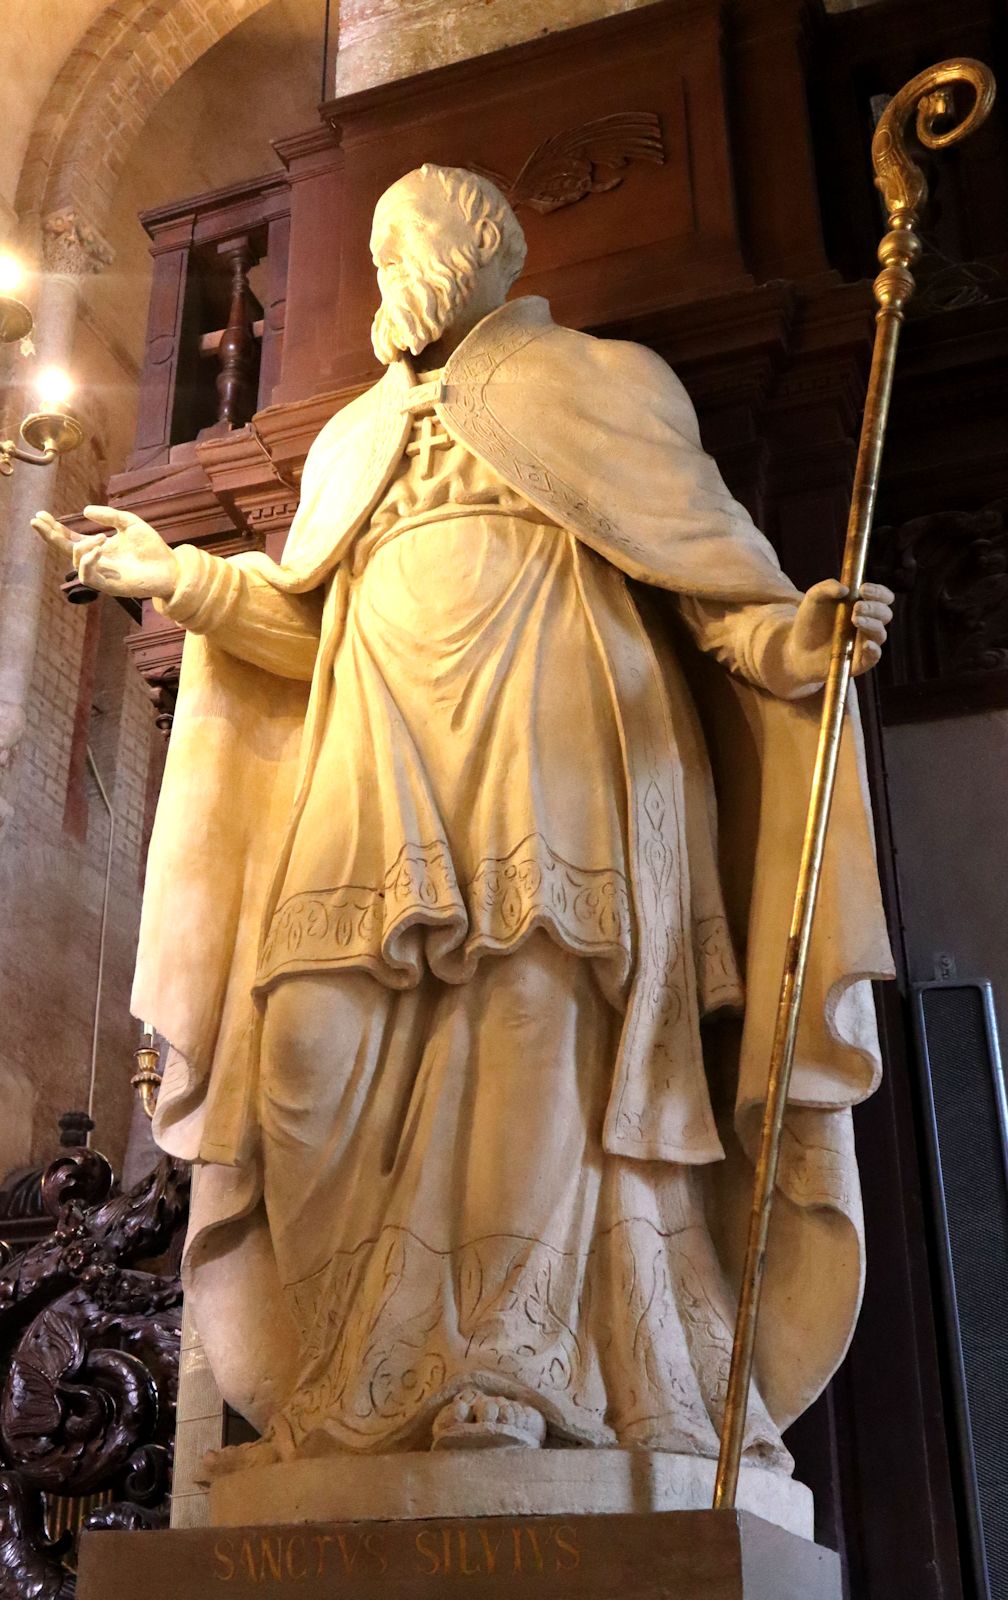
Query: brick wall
[(53, 859), (124, 125)]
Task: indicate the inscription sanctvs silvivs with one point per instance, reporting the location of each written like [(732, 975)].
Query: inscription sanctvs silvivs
[(474, 1551)]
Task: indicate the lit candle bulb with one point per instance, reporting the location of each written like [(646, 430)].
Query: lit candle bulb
[(12, 273), (53, 387)]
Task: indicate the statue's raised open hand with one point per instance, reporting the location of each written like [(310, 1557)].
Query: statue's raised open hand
[(128, 557)]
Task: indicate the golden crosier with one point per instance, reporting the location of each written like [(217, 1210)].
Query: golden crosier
[(930, 99)]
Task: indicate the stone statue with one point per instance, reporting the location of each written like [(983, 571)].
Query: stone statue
[(468, 892)]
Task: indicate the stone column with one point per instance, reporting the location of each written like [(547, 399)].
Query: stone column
[(380, 40), (70, 251)]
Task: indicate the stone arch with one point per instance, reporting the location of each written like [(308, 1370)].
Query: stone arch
[(100, 99)]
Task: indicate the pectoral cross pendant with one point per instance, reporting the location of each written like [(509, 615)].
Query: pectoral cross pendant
[(428, 441)]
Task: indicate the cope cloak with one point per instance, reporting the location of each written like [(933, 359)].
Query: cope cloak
[(600, 436)]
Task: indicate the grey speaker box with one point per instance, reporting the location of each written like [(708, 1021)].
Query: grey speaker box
[(966, 1128)]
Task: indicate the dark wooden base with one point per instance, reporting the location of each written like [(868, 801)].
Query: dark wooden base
[(679, 1555)]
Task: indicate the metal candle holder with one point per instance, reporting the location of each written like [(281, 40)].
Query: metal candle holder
[(50, 432), (147, 1078)]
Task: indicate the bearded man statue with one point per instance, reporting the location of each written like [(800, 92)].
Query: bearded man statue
[(468, 894)]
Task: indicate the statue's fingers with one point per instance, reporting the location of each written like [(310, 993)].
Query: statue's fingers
[(867, 655), (871, 628), (54, 533), (88, 570), (828, 591), (875, 631), (46, 522), (876, 591), (84, 546), (872, 608), (111, 516)]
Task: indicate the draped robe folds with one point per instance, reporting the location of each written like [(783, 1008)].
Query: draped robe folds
[(599, 439)]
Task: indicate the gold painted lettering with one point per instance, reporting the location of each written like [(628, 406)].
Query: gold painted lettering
[(490, 1549), (268, 1557), (464, 1568), (224, 1560), (446, 1534), (516, 1534), (565, 1538), (321, 1542), (536, 1548), (373, 1547), (296, 1560), (426, 1551), (347, 1551), (248, 1560)]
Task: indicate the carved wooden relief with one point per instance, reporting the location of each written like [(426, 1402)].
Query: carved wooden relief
[(590, 159), (948, 646)]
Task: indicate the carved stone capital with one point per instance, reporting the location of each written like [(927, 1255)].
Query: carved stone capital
[(71, 246)]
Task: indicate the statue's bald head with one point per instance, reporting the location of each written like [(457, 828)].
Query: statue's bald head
[(442, 238)]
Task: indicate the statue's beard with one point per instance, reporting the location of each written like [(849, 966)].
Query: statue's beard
[(420, 304)]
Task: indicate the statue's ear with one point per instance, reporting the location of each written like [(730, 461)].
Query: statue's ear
[(489, 240)]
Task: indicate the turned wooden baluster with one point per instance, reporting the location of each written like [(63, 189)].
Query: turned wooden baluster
[(237, 349)]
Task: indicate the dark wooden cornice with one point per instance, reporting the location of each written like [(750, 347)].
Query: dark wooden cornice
[(222, 211)]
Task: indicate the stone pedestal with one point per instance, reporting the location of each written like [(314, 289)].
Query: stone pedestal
[(692, 1555), (497, 1483)]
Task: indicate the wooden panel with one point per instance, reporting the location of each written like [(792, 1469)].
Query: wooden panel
[(774, 165), (161, 356), (314, 315), (274, 301)]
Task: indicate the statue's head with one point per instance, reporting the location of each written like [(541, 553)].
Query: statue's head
[(447, 247)]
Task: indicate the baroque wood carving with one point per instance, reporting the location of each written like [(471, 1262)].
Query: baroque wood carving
[(91, 1344), (950, 632), (590, 159)]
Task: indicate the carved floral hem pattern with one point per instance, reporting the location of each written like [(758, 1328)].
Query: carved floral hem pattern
[(450, 1234), (377, 928), (629, 1347)]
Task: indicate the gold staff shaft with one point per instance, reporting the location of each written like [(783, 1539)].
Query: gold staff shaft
[(928, 97)]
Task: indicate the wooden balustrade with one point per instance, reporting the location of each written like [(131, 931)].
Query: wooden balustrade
[(237, 385), (216, 321)]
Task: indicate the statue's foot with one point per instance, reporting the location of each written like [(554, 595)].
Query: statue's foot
[(236, 1458), (476, 1421)]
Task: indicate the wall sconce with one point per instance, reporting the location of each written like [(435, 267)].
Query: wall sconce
[(16, 320), (51, 429)]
